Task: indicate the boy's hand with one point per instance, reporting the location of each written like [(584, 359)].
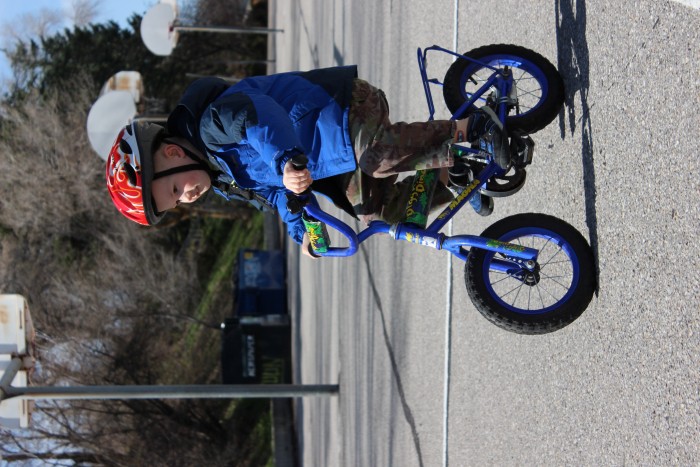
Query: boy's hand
[(296, 181), (305, 247)]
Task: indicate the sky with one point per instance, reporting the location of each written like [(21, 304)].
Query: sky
[(116, 10)]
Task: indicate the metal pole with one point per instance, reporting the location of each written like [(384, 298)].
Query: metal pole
[(246, 62), (151, 118), (6, 382), (227, 29), (191, 391), (225, 78), (214, 391)]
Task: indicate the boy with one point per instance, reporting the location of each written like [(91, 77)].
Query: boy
[(239, 140)]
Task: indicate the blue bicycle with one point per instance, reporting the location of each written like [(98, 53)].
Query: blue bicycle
[(527, 273)]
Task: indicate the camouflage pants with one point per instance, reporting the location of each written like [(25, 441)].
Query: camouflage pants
[(384, 149)]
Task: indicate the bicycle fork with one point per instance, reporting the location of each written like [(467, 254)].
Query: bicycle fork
[(458, 245)]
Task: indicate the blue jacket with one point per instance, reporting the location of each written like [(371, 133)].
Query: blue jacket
[(251, 129)]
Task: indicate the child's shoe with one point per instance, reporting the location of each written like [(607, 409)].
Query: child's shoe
[(487, 129), (482, 204)]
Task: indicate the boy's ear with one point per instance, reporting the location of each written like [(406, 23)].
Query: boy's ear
[(173, 151)]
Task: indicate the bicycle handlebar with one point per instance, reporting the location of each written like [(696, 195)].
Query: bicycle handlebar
[(340, 226), (316, 219)]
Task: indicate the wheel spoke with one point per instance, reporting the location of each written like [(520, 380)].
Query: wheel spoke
[(549, 240), (528, 93), (512, 290), (507, 276), (526, 78), (552, 263), (540, 286), (517, 295), (553, 279), (543, 265), (539, 292)]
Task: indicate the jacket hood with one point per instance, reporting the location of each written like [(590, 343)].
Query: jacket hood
[(184, 120)]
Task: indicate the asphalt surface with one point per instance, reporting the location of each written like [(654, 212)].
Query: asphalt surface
[(621, 385)]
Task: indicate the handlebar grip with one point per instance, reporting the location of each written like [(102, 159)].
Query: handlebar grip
[(319, 239), (299, 161), (318, 215)]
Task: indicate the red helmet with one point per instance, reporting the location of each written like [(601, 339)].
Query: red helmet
[(130, 171)]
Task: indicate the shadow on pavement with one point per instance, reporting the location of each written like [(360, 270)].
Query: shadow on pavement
[(573, 64), (394, 366)]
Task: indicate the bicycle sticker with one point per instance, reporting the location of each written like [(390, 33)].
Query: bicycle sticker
[(418, 206), (318, 235), (505, 246), (455, 202), (416, 238)]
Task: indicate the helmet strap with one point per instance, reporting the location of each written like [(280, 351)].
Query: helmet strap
[(200, 163), (176, 170)]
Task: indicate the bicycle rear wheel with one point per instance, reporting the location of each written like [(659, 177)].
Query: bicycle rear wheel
[(539, 85)]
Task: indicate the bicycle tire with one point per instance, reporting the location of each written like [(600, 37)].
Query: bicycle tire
[(569, 253), (540, 86)]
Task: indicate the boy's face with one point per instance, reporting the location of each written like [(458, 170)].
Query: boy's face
[(183, 187)]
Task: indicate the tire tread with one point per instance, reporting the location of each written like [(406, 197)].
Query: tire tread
[(532, 324)]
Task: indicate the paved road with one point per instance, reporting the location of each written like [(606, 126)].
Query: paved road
[(619, 386)]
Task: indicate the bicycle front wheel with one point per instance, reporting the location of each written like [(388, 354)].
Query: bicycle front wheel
[(537, 301)]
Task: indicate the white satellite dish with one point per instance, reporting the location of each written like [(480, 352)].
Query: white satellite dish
[(131, 81), (107, 116), (157, 29), (16, 328)]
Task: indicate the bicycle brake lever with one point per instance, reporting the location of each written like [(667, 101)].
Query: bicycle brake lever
[(295, 204)]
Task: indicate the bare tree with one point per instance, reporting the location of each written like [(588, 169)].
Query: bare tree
[(84, 12), (103, 290), (110, 298), (45, 21), (28, 26)]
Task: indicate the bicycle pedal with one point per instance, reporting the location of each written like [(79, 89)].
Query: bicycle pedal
[(459, 175), (522, 148)]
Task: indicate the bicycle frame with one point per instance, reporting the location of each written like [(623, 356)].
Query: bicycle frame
[(524, 257), (431, 236)]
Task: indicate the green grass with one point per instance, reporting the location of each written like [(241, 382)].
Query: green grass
[(219, 281), (253, 427), (197, 347), (248, 421)]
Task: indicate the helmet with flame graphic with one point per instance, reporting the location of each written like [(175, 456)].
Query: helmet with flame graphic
[(130, 171)]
